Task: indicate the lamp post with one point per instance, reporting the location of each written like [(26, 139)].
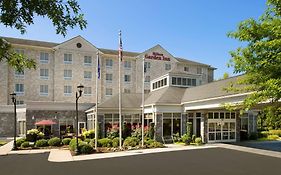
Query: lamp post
[(80, 88), (14, 100)]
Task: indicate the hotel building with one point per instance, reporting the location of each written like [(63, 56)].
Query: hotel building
[(177, 90)]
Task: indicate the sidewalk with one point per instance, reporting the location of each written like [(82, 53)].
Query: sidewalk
[(5, 149), (65, 156)]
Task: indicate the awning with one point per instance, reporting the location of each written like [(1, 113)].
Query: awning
[(45, 122)]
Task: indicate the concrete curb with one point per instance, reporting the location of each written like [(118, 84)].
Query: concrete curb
[(251, 150), (64, 155)]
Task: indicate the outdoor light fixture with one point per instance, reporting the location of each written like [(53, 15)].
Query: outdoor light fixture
[(80, 88), (14, 100)]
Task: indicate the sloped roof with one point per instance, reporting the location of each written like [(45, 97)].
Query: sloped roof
[(132, 100), (209, 90), (115, 52), (183, 60), (30, 42), (171, 95)]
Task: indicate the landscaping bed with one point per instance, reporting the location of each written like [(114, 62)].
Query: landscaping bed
[(3, 143)]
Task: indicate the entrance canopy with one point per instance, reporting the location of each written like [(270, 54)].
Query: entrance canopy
[(45, 122)]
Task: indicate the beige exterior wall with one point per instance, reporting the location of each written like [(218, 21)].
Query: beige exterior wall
[(56, 67)]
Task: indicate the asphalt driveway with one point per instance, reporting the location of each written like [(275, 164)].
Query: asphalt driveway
[(211, 161)]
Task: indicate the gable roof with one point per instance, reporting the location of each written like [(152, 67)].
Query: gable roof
[(171, 95), (29, 42), (209, 90), (183, 60), (115, 52), (132, 100), (79, 36)]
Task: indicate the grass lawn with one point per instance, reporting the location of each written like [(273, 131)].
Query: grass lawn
[(2, 143)]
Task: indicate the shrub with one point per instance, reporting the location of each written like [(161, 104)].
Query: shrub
[(126, 130), (273, 137), (105, 142), (25, 144), (131, 142), (20, 141), (186, 139), (54, 141), (88, 134), (33, 135), (72, 144), (151, 131), (85, 148), (87, 140), (263, 134), (66, 141), (115, 142), (113, 132), (156, 144), (176, 137), (275, 132), (253, 136), (193, 138), (92, 142), (41, 143), (136, 133), (198, 141)]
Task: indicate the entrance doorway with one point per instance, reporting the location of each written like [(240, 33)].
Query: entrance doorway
[(171, 124)]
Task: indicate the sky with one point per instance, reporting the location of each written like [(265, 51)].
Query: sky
[(192, 29)]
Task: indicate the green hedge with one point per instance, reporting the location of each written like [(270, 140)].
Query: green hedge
[(115, 142), (105, 142), (41, 143), (198, 141), (66, 141), (25, 144), (54, 141), (20, 141), (72, 144), (131, 142), (85, 148)]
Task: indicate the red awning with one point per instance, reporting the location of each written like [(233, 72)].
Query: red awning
[(45, 122)]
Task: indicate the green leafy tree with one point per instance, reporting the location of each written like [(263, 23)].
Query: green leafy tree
[(259, 59), (20, 13), (225, 75)]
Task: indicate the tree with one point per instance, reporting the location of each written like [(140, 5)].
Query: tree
[(20, 13), (260, 59), (225, 75)]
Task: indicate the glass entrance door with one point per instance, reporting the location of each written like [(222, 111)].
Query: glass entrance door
[(221, 131), (167, 127)]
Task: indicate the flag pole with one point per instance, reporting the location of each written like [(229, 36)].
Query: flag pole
[(96, 119), (142, 101), (120, 100)]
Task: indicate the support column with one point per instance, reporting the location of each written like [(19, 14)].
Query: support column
[(238, 126), (204, 127), (183, 123), (159, 127)]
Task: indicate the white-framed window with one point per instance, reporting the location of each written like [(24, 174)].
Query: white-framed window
[(146, 66), (127, 78), (67, 58), (186, 69), (67, 74), (67, 90), (44, 90), (181, 81), (127, 65), (199, 70), (108, 77), (88, 75), (81, 126), (44, 74), (44, 57), (19, 74), (109, 63), (88, 60), (168, 66), (19, 89), (127, 91), (20, 102), (147, 79), (108, 91), (88, 91)]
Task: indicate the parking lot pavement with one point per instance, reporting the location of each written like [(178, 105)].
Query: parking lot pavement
[(200, 161), (266, 145)]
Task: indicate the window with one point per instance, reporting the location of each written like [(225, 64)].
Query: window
[(184, 81), (178, 81), (127, 91), (67, 90), (19, 74), (88, 75), (108, 63), (20, 102), (127, 78), (44, 74), (87, 60), (108, 91), (108, 77), (67, 74), (168, 66), (147, 79), (186, 69), (44, 90), (44, 57), (199, 70), (165, 81), (174, 80), (19, 89), (88, 91), (67, 58), (146, 66), (127, 64), (193, 82)]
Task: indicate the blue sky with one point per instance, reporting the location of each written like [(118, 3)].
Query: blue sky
[(193, 29)]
